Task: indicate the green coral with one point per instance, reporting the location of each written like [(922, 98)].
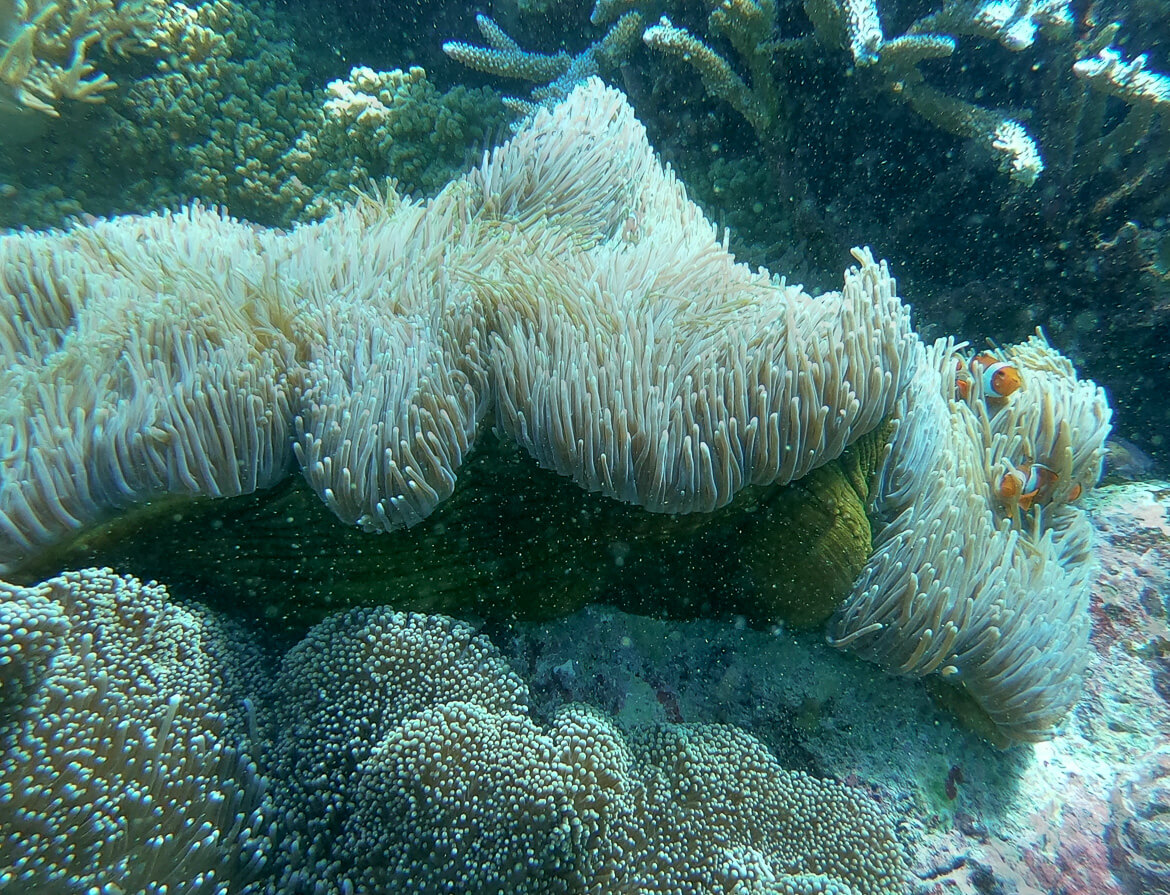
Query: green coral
[(125, 762), (403, 738), (376, 124), (513, 540), (401, 754), (225, 107)]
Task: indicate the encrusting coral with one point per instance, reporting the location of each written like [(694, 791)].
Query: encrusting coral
[(397, 753), (407, 758), (501, 546), (123, 742), (570, 289)]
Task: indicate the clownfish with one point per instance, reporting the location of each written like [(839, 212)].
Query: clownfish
[(962, 381), (999, 378), (1023, 484)]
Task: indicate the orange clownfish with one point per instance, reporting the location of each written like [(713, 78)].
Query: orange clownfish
[(1023, 484), (962, 381), (999, 378)]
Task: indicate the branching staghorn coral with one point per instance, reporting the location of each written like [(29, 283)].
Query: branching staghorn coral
[(750, 28), (557, 73), (47, 47), (123, 742), (1013, 23), (1132, 81), (1106, 164), (741, 23)]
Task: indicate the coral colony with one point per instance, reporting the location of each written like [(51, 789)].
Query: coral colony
[(512, 383)]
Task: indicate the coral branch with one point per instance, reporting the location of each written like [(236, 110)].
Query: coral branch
[(1132, 81)]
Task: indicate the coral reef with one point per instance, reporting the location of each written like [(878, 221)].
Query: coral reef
[(546, 288), (397, 740), (382, 337), (398, 751), (124, 748), (47, 49), (750, 27), (226, 106)]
